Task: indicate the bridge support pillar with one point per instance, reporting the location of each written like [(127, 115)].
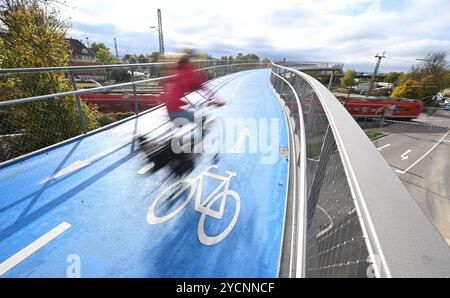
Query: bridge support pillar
[(331, 80)]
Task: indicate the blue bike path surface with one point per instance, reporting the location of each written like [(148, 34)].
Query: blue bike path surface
[(81, 208)]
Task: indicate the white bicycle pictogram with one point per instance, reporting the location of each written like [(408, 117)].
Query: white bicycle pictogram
[(204, 207)]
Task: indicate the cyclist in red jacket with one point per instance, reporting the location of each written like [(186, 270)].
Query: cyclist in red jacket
[(184, 81)]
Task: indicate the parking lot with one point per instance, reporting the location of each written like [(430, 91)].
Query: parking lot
[(419, 154)]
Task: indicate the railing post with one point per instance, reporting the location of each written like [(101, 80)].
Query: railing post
[(136, 104), (79, 106)]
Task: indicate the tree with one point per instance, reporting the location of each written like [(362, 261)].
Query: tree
[(240, 57), (95, 47), (103, 53), (142, 59), (35, 37), (154, 57), (435, 64), (203, 56), (133, 59), (349, 78), (392, 77), (410, 89), (428, 78), (105, 57), (252, 58)]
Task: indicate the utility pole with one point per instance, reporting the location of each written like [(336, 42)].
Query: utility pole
[(375, 71), (160, 32), (115, 46)]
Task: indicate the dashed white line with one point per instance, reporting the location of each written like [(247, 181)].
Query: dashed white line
[(32, 248), (83, 163), (423, 156), (382, 147), (146, 168), (238, 146)]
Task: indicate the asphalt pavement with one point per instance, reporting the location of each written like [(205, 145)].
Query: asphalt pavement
[(90, 207), (419, 153)]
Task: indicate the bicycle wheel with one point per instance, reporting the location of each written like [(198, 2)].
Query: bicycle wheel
[(153, 219), (211, 240)]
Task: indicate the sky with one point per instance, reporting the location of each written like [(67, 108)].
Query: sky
[(346, 31)]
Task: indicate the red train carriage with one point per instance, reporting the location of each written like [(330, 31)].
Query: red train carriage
[(397, 108)]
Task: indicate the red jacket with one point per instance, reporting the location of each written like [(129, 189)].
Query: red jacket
[(186, 80)]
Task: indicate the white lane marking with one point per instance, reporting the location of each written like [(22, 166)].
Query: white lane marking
[(385, 146), (423, 156), (238, 146), (146, 168), (329, 218), (405, 156), (83, 163), (33, 247), (233, 95)]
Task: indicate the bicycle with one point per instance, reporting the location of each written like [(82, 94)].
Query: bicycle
[(204, 207)]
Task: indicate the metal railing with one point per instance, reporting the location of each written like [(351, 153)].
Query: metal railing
[(40, 107), (311, 65), (352, 215)]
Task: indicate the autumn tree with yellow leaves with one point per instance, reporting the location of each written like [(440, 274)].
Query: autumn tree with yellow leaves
[(32, 35)]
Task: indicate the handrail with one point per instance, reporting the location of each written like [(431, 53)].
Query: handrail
[(102, 88), (301, 210), (311, 65), (6, 71), (401, 240)]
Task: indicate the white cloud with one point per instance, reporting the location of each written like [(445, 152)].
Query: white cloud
[(349, 31)]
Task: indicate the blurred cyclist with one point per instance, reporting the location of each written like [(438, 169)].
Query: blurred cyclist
[(185, 80)]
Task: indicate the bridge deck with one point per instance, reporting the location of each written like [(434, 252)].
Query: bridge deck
[(82, 207)]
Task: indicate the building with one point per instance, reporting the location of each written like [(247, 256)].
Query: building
[(79, 52), (81, 55)]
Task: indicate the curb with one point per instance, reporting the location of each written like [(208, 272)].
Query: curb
[(417, 123)]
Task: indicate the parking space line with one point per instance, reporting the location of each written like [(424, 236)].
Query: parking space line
[(423, 156), (382, 147), (33, 247)]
